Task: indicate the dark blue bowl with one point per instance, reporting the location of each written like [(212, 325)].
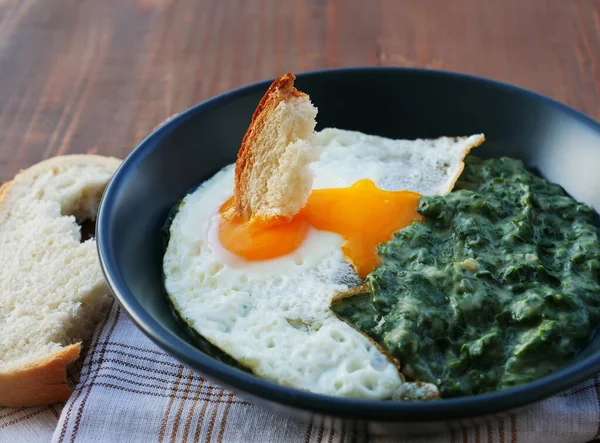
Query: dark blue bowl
[(562, 144)]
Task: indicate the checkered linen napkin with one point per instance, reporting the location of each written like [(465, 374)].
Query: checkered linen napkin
[(131, 391)]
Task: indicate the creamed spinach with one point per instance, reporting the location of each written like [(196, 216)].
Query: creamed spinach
[(498, 286)]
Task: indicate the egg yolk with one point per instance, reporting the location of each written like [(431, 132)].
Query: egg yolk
[(364, 215), (260, 239)]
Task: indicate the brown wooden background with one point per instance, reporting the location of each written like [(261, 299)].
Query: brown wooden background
[(98, 75)]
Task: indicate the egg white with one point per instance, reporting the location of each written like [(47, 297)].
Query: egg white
[(273, 316)]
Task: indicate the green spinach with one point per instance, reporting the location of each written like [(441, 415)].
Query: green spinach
[(497, 287)]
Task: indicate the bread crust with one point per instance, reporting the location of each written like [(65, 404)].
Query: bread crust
[(62, 161), (42, 381), (282, 89)]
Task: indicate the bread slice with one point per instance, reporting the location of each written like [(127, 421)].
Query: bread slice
[(51, 287), (272, 178)]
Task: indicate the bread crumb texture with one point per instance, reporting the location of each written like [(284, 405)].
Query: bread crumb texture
[(52, 291), (272, 178)]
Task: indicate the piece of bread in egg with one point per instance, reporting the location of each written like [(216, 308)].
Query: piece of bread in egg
[(52, 291), (272, 178)]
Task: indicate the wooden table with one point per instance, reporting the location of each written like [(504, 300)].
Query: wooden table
[(98, 75)]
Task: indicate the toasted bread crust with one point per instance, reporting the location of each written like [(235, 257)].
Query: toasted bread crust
[(282, 89), (41, 382)]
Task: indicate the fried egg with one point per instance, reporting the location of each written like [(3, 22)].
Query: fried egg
[(266, 302)]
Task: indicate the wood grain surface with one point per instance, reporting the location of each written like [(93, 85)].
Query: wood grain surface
[(98, 75)]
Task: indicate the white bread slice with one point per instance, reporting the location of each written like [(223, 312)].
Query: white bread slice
[(272, 178), (51, 287)]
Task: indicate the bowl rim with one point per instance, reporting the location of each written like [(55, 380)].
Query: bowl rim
[(240, 381)]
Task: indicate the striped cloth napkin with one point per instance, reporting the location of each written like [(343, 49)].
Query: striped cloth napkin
[(131, 391)]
